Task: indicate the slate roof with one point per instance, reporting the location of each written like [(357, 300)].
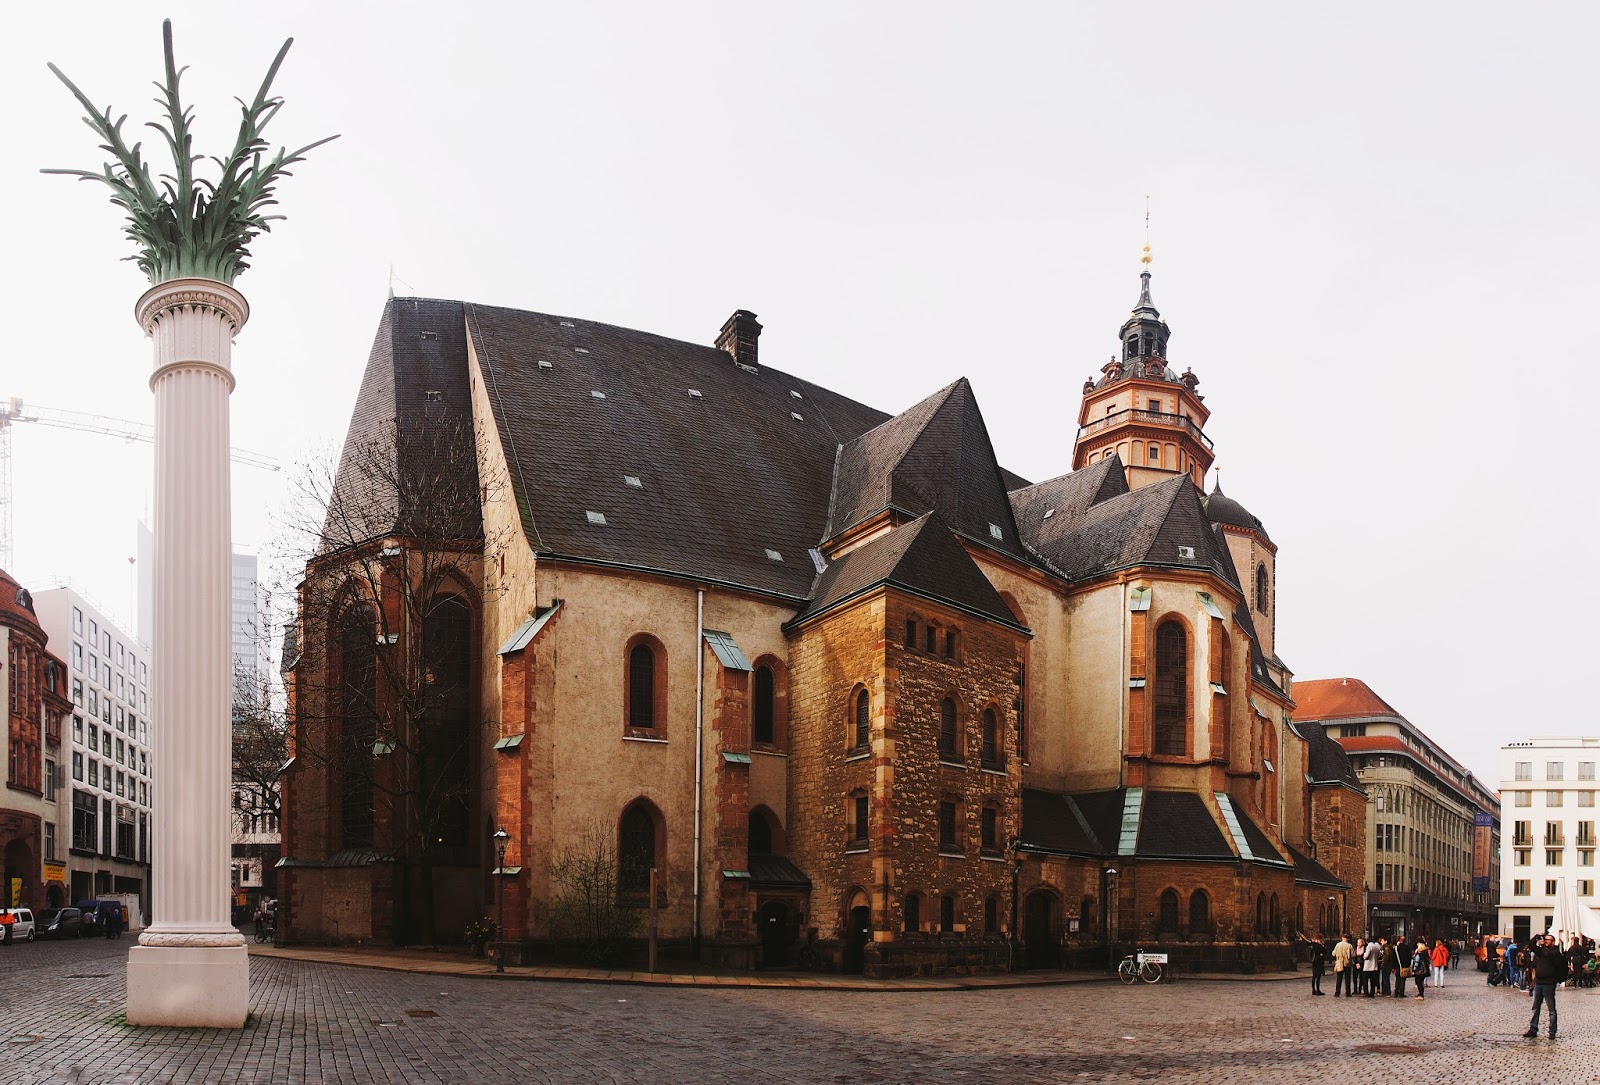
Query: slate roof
[(776, 872), (1047, 511), (725, 476), (413, 414), (1138, 527), (922, 557), (1326, 760), (1056, 822), (1261, 845), (935, 456), (1307, 871), (1222, 509), (1179, 825)]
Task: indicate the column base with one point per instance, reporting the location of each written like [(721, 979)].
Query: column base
[(189, 986)]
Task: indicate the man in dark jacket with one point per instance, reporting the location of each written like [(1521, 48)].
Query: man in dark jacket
[(1548, 967)]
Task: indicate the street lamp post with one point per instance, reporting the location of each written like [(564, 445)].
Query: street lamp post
[(501, 837), (1108, 913)]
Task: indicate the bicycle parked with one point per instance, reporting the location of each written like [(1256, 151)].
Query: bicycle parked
[(1139, 965)]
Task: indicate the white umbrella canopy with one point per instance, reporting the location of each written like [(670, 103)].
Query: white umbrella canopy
[(1572, 918)]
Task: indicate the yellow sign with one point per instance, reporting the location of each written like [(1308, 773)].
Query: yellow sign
[(55, 872), (16, 892)]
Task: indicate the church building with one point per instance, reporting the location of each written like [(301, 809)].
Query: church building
[(840, 689)]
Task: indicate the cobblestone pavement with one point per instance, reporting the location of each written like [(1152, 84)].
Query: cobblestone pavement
[(61, 1003)]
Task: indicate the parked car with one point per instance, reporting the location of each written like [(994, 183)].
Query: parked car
[(22, 925), (60, 923)]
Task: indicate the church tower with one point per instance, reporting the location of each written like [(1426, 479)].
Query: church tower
[(1141, 410)]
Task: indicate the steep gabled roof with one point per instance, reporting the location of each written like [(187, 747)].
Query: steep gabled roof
[(922, 557), (413, 410), (1326, 760), (1179, 825), (1048, 510), (934, 457), (1307, 871), (724, 476)]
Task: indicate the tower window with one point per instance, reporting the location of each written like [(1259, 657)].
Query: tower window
[(1262, 589), (1155, 454), (1171, 689), (1155, 405)]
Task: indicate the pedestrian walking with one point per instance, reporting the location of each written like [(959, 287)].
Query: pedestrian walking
[(1341, 967), (1388, 965), (1440, 959), (1319, 965), (1420, 964), (1402, 966), (1548, 967)]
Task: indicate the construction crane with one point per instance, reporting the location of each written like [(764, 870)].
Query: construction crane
[(12, 412)]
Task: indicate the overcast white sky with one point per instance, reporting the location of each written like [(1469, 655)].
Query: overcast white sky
[(1371, 222)]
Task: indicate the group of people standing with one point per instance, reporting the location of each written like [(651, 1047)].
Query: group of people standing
[(1380, 966)]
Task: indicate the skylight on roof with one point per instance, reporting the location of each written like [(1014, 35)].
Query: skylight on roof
[(773, 555), (795, 394), (568, 324), (818, 560), (694, 393), (634, 481), (1049, 513), (597, 395), (797, 417), (995, 532), (580, 350), (544, 364), (595, 517)]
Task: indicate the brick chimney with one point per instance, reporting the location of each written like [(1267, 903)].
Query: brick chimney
[(738, 337)]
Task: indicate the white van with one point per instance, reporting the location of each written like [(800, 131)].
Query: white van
[(22, 929)]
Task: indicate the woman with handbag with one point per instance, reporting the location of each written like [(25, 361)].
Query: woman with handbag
[(1420, 966)]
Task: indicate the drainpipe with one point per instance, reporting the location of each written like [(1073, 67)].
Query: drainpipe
[(699, 757)]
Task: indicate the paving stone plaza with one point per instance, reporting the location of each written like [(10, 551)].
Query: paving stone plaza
[(315, 1023)]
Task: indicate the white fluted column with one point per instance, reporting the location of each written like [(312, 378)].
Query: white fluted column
[(190, 967)]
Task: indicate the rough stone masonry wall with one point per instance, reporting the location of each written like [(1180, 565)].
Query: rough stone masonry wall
[(982, 675)]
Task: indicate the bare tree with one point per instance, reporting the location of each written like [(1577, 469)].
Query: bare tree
[(586, 911), (384, 697)]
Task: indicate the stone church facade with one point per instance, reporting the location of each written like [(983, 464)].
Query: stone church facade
[(863, 699)]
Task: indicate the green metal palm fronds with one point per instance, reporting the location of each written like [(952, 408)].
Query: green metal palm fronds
[(189, 226)]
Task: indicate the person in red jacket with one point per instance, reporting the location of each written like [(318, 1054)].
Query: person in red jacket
[(1440, 959)]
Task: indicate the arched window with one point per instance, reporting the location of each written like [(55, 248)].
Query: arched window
[(947, 914), (862, 732), (647, 687), (913, 918), (444, 769), (760, 834), (1261, 913), (1199, 911), (990, 829), (762, 717), (1274, 922), (993, 753), (637, 850), (1085, 916), (1172, 689), (358, 694), (860, 811), (1262, 588), (991, 915), (949, 736), (1168, 906)]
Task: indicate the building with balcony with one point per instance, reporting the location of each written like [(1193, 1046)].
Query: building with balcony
[(1548, 785), (1433, 829)]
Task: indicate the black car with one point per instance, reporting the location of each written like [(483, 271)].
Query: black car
[(60, 923)]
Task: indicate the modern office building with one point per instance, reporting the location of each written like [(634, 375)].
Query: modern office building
[(1432, 827), (105, 815), (1548, 785)]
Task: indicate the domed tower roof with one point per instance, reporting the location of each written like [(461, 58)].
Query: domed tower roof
[(1222, 509), (16, 605)]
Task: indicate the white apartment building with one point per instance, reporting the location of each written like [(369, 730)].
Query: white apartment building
[(105, 812), (1547, 788)]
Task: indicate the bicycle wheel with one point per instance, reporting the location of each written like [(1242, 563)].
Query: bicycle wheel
[(1150, 972), (1125, 972)]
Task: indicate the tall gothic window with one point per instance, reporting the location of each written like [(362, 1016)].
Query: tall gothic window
[(1199, 911), (1172, 689), (445, 767), (1168, 904), (949, 742), (762, 729), (358, 694), (863, 721), (636, 851), (641, 687), (1262, 589), (992, 752)]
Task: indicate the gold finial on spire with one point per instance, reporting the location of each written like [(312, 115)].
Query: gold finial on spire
[(1145, 258)]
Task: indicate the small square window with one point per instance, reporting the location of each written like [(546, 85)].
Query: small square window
[(1550, 887), (995, 532), (1552, 798)]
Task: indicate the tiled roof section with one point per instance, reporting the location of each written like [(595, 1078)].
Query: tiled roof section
[(934, 457), (1067, 824), (1179, 825), (1307, 871), (725, 476), (1339, 698), (922, 557), (1048, 510), (1326, 761), (413, 414), (1261, 845), (1141, 527), (16, 606)]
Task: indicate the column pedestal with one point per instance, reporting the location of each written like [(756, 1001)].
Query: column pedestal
[(191, 967)]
